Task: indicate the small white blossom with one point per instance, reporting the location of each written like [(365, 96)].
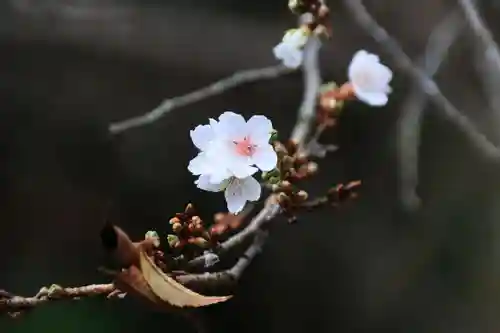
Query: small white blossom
[(290, 50), (369, 78), (210, 258), (231, 151), (239, 145), (236, 191)]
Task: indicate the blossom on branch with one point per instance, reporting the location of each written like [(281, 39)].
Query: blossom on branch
[(369, 79), (290, 50), (232, 150)]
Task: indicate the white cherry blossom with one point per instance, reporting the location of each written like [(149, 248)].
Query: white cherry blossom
[(203, 137), (290, 50), (239, 145), (369, 78), (236, 191)]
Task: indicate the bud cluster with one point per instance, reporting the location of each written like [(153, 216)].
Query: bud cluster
[(320, 23), (188, 229), (295, 201)]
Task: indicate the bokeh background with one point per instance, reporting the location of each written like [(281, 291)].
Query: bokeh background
[(70, 67)]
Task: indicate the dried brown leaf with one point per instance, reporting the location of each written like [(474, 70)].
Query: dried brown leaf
[(171, 291)]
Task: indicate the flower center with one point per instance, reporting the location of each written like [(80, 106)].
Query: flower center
[(244, 147)]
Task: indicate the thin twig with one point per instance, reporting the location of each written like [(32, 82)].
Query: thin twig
[(270, 210), (409, 123), (213, 89), (13, 304), (427, 85), (230, 275)]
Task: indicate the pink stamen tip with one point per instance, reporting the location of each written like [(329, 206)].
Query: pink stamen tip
[(244, 147)]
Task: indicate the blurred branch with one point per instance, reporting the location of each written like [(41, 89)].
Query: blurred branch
[(409, 124), (487, 55), (361, 15), (213, 89)]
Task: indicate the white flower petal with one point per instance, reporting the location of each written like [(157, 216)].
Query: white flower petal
[(234, 197), (296, 37), (219, 175), (384, 74), (204, 183), (369, 78), (200, 164), (280, 50), (265, 158), (372, 98), (289, 54), (358, 57), (201, 136), (242, 170), (231, 126), (259, 129), (251, 189)]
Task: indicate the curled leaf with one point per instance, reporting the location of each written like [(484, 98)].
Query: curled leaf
[(171, 291)]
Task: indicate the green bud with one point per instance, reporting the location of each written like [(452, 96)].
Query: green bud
[(274, 136), (151, 234), (327, 86), (274, 180), (274, 173), (172, 240)]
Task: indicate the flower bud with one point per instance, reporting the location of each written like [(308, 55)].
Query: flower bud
[(153, 235), (172, 240), (196, 220), (199, 241), (177, 227), (274, 136), (189, 210), (312, 168), (174, 220), (302, 195), (218, 217)]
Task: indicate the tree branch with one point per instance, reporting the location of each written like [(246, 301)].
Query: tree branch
[(213, 89), (361, 15), (230, 275), (13, 304), (487, 56), (410, 120)]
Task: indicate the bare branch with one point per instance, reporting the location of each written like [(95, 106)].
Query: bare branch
[(487, 56), (409, 123), (13, 304), (312, 82), (213, 89), (427, 85), (230, 275)]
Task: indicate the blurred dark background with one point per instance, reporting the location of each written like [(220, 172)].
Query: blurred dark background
[(70, 67)]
